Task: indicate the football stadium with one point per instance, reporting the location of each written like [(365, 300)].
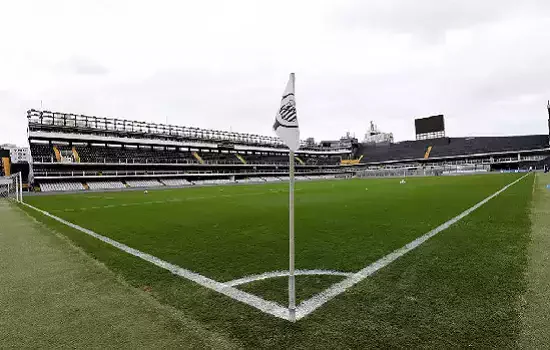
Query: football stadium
[(434, 242)]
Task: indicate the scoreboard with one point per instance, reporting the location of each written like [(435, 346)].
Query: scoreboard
[(430, 127)]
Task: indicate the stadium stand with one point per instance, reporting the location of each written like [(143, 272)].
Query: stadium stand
[(143, 183), (219, 158), (213, 182), (64, 186), (322, 177), (105, 185), (253, 180), (272, 179), (42, 152), (102, 154), (176, 182), (450, 147), (108, 153)]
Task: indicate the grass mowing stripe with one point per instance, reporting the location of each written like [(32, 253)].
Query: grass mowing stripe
[(455, 290), (272, 308), (310, 305), (173, 200), (252, 300), (340, 226)]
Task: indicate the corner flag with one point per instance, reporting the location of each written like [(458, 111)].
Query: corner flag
[(286, 127), (286, 120)]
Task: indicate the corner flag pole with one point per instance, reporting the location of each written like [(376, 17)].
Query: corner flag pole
[(291, 278), (286, 127)]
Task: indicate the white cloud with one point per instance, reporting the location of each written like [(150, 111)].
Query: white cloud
[(223, 64)]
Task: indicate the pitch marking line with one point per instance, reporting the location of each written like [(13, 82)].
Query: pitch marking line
[(269, 307), (274, 274), (310, 305), (265, 306)]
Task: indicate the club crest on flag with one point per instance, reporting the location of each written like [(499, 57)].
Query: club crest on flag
[(287, 116), (286, 120)]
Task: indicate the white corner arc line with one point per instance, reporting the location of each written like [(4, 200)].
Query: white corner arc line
[(275, 274), (310, 305), (265, 306)]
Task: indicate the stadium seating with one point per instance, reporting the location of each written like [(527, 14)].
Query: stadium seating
[(66, 186), (41, 152), (105, 185), (144, 183), (322, 177), (476, 145), (327, 160), (307, 160), (61, 186), (219, 158), (272, 179), (147, 155), (99, 154), (176, 182), (263, 159), (448, 147), (252, 180), (102, 154), (213, 182)]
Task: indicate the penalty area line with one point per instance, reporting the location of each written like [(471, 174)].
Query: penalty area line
[(312, 304), (263, 305)]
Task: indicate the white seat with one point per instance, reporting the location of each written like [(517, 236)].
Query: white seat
[(144, 183)]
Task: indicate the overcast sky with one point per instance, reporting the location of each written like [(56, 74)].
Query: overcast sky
[(224, 64)]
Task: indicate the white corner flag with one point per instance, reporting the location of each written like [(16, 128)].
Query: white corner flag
[(286, 121), (286, 127)]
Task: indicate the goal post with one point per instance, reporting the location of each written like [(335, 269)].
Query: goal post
[(11, 187)]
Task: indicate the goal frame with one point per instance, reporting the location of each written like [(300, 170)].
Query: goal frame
[(11, 187)]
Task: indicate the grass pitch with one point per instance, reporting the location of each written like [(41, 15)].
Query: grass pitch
[(54, 296), (460, 288)]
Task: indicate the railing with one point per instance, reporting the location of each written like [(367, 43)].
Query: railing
[(154, 161), (39, 120), (117, 173), (475, 161), (404, 172)]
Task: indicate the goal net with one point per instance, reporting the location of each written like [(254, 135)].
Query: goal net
[(11, 187)]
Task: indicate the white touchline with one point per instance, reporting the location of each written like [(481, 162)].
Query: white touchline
[(270, 307), (274, 274), (310, 305), (265, 306)]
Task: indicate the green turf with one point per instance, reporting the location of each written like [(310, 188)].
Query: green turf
[(54, 296), (276, 288), (457, 289), (536, 303)]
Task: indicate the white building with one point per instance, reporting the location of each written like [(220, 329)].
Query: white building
[(374, 135), (18, 154)]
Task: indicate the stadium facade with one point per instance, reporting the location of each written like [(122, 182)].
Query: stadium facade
[(78, 152)]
